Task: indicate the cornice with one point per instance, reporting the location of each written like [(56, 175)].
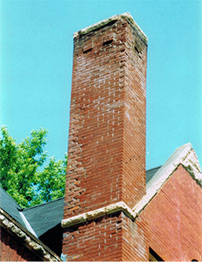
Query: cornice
[(27, 238), (100, 212)]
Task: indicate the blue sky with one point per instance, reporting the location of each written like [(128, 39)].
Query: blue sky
[(36, 44)]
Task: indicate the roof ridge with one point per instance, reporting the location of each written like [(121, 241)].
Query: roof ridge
[(157, 167), (46, 203)]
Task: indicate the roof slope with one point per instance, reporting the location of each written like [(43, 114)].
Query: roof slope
[(41, 218), (8, 204), (150, 173), (46, 216)]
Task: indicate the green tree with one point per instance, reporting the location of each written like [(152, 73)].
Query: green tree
[(22, 171)]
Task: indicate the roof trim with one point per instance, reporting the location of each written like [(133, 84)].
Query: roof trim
[(45, 216), (105, 22), (185, 156), (27, 224), (27, 238), (119, 206), (43, 204)]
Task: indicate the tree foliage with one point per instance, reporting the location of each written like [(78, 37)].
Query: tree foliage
[(22, 170)]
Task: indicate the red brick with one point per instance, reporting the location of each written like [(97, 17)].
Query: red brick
[(13, 250), (173, 219), (106, 137)]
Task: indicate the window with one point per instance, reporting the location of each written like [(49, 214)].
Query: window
[(153, 256)]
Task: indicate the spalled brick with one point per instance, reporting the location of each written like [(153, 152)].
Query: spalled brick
[(107, 118), (106, 136), (108, 216)]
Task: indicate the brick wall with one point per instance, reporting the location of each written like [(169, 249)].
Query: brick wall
[(106, 155), (113, 237), (99, 240), (12, 249), (107, 119), (134, 119), (135, 240), (173, 219)]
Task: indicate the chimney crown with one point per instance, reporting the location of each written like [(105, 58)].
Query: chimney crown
[(105, 22)]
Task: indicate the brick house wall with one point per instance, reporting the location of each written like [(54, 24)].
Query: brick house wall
[(13, 250), (173, 219)]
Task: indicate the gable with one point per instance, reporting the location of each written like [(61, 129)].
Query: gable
[(184, 156), (173, 217)]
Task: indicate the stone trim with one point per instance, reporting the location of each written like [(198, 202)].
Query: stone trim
[(119, 206), (126, 16), (27, 238), (184, 156)]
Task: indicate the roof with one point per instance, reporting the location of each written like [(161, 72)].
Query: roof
[(150, 173), (28, 239), (41, 218), (8, 204), (46, 216)]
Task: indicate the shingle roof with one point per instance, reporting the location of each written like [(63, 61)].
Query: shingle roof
[(41, 218), (8, 204), (46, 216), (151, 172)]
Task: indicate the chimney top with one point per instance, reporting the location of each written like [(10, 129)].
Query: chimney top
[(104, 22)]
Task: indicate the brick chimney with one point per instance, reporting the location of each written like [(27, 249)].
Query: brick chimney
[(107, 139)]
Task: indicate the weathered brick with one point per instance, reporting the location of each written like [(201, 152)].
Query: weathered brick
[(106, 137), (107, 158)]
